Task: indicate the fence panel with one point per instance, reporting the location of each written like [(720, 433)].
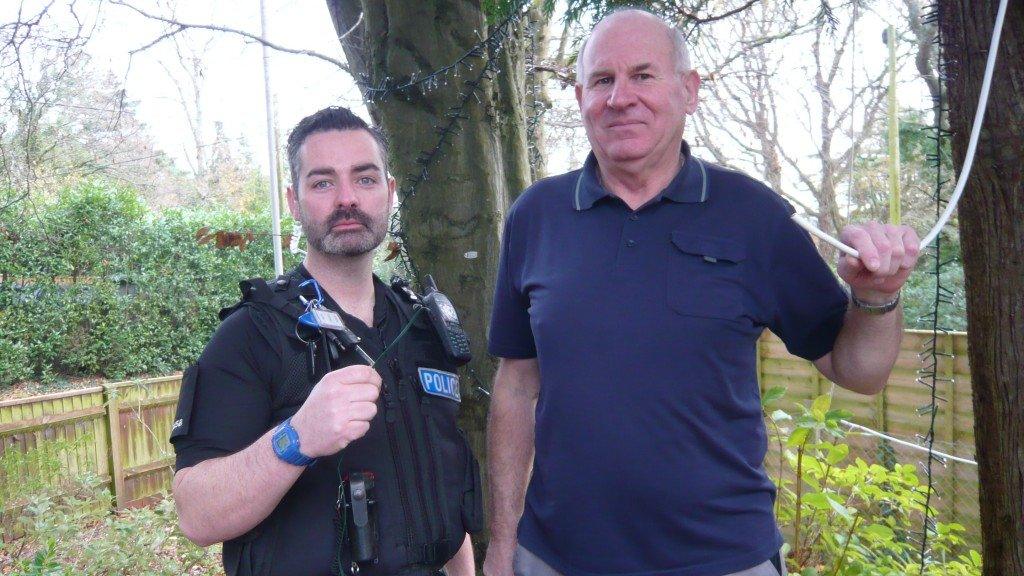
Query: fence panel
[(896, 412), (117, 432)]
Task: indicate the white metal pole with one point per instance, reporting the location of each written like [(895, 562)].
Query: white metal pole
[(275, 197)]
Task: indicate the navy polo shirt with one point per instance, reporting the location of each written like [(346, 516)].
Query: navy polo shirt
[(649, 434)]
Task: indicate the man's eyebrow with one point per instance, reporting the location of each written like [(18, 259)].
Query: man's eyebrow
[(642, 67), (321, 172), (366, 167)]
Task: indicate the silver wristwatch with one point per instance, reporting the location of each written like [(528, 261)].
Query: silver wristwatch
[(876, 309)]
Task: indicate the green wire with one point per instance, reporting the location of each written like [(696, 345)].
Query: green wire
[(401, 334)]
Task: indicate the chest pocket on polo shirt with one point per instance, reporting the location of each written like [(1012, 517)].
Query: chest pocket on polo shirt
[(705, 276)]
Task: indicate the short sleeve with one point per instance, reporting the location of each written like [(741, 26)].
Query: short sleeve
[(224, 404), (809, 302), (511, 335)]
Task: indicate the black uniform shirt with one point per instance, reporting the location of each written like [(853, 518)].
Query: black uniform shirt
[(230, 399)]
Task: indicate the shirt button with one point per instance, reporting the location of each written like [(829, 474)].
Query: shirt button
[(634, 217), (630, 243)]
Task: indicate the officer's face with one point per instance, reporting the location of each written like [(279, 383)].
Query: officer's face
[(344, 196)]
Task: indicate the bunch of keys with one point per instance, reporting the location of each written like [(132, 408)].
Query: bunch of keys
[(329, 323)]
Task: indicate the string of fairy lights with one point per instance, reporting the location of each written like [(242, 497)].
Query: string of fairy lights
[(928, 375)]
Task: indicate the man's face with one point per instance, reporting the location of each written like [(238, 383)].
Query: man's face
[(633, 100), (344, 196)]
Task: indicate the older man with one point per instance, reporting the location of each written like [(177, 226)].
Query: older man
[(630, 296)]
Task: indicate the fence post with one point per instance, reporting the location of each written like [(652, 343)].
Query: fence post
[(113, 401), (950, 372)]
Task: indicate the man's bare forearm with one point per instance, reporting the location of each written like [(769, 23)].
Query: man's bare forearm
[(222, 498), (865, 351), (510, 433)]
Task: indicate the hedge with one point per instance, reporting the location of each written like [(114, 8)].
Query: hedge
[(95, 284)]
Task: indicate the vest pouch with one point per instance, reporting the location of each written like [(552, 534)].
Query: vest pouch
[(472, 495)]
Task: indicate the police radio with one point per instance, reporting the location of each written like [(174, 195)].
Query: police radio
[(446, 323)]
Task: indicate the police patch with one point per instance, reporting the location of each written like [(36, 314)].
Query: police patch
[(440, 383)]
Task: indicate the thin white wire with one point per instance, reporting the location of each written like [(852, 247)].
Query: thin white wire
[(972, 146), (871, 432)]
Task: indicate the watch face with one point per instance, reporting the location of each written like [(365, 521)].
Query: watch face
[(282, 442)]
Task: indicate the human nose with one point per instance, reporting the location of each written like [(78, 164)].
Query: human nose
[(346, 196), (622, 95)]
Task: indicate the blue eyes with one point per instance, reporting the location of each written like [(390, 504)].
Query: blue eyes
[(362, 181)]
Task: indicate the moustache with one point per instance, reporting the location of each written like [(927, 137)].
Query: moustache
[(350, 214)]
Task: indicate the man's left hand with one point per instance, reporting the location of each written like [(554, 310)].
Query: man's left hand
[(888, 253)]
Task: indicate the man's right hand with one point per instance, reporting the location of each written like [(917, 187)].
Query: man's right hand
[(338, 410), (498, 561)]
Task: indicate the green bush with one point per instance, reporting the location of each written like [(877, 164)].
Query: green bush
[(66, 528), (852, 519), (95, 285)]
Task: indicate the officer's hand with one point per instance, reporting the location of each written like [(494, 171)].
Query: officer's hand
[(888, 253), (338, 410), (498, 561)]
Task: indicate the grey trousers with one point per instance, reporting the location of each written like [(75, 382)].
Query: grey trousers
[(526, 563)]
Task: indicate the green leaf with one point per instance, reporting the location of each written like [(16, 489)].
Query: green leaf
[(838, 414), (809, 571), (820, 406), (880, 532), (837, 453), (840, 509), (780, 415), (772, 394), (817, 500), (798, 437)]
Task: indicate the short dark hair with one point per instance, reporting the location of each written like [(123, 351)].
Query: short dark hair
[(330, 118)]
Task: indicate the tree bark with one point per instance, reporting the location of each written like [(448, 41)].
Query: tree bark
[(992, 235), (453, 222)]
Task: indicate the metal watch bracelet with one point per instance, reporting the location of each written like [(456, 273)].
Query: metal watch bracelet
[(876, 309)]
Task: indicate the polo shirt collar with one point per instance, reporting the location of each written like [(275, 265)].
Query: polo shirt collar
[(690, 185)]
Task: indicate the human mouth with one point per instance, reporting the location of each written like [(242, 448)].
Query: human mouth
[(344, 225)]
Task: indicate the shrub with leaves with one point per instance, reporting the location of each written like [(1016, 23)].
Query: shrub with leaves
[(96, 285), (852, 518), (66, 528)]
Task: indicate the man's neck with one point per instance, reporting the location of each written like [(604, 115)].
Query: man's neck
[(636, 182), (348, 280)]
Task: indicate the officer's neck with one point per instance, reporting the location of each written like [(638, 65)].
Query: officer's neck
[(348, 280)]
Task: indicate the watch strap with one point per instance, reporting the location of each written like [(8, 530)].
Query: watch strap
[(287, 447), (876, 309)]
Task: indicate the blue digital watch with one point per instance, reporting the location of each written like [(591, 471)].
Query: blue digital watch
[(286, 445)]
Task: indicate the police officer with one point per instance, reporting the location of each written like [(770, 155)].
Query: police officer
[(291, 449)]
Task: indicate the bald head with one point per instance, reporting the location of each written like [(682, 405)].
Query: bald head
[(644, 22)]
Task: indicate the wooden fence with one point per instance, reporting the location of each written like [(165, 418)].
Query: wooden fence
[(897, 411), (125, 426), (119, 433)]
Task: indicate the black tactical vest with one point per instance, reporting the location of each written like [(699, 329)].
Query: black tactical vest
[(426, 490)]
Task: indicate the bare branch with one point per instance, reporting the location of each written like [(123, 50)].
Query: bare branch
[(178, 27), (689, 18)]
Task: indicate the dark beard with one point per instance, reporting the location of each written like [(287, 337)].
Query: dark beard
[(354, 243)]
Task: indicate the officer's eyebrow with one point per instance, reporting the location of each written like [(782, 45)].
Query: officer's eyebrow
[(367, 167), (321, 172)]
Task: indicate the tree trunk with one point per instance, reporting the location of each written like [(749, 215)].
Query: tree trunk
[(453, 222), (992, 235)]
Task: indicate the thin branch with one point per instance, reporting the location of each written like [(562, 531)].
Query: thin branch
[(182, 26), (690, 18)]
